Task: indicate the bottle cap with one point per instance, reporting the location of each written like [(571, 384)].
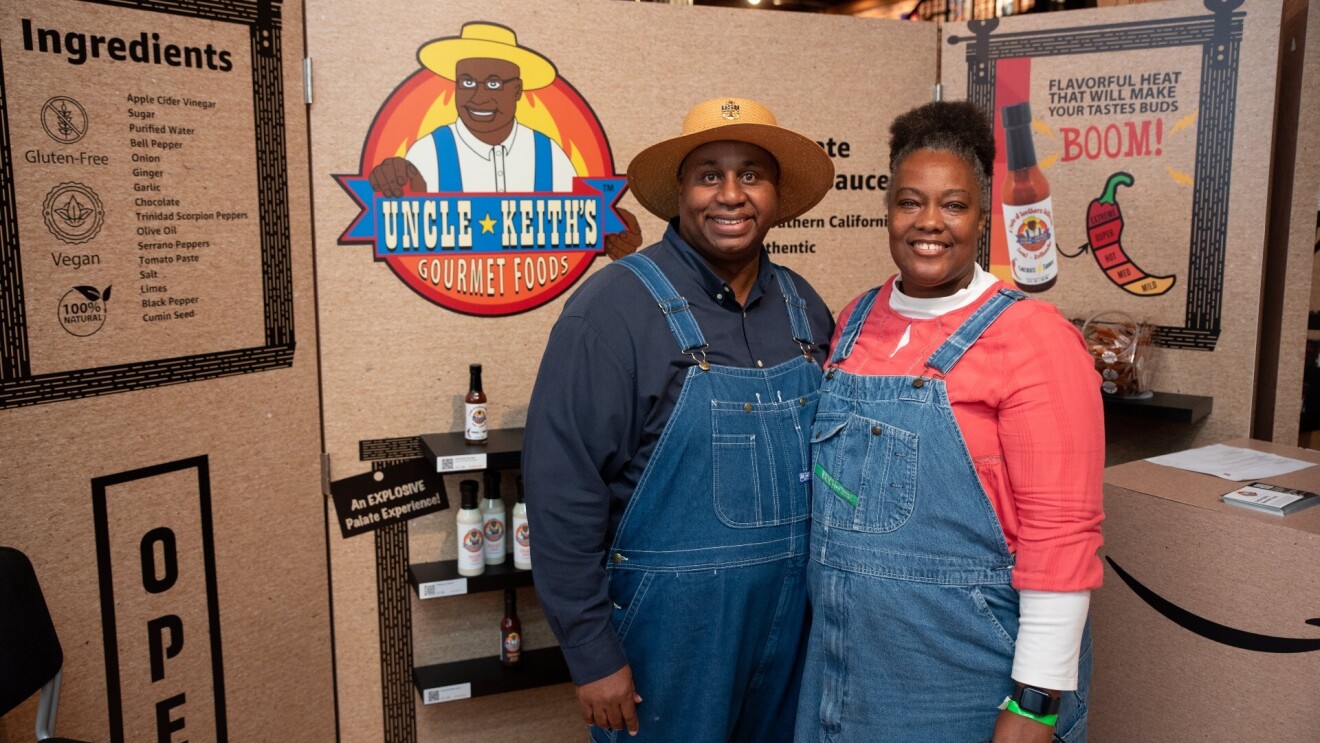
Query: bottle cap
[(1018, 114), (1019, 149), (468, 493), (521, 498), (492, 483), (474, 368)]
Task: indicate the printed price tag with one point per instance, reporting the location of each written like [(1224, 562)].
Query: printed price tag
[(449, 693), (460, 463), (440, 588)]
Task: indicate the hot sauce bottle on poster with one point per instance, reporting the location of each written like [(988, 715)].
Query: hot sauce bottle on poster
[(474, 409), (1028, 210)]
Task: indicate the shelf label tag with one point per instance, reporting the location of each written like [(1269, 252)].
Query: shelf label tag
[(450, 693), (460, 463), (440, 588)]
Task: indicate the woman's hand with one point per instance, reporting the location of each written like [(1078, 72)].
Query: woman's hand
[(1014, 728)]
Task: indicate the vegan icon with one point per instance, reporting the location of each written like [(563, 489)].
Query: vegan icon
[(73, 212)]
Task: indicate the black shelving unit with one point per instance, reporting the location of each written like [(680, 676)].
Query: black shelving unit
[(1165, 406), (503, 450), (448, 453), (496, 577), (486, 676)]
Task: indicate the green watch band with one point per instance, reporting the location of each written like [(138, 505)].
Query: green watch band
[(1012, 706)]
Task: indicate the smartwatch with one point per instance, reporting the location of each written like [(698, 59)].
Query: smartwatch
[(1036, 701)]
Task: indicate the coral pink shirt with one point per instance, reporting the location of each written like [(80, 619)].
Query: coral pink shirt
[(1027, 399)]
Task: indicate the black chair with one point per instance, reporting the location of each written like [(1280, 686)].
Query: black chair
[(30, 653)]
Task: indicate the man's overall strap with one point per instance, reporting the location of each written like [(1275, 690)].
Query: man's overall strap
[(677, 313), (797, 308)]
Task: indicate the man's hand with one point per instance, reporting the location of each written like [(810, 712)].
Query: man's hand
[(1014, 728), (611, 702), (393, 173), (624, 243)]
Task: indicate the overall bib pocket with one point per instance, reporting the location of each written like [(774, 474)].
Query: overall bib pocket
[(864, 473), (760, 457)]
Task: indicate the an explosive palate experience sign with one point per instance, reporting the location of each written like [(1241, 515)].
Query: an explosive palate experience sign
[(487, 184)]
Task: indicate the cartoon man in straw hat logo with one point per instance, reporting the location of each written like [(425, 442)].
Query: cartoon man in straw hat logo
[(487, 183), (485, 150)]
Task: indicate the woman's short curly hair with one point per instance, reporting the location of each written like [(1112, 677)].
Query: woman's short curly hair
[(959, 127)]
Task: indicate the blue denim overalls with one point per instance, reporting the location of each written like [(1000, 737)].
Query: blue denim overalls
[(914, 614), (708, 567)]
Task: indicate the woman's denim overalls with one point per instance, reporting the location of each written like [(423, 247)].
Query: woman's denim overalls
[(708, 568), (915, 617)]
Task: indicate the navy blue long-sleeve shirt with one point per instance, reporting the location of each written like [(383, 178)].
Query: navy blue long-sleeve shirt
[(609, 380)]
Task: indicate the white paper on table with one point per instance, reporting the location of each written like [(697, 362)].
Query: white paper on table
[(1231, 462)]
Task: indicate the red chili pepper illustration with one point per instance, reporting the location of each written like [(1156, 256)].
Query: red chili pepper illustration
[(1104, 228)]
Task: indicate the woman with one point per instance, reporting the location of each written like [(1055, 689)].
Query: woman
[(957, 462)]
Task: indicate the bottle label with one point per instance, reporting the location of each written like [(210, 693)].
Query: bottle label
[(470, 548), (494, 537), (512, 647), (522, 542), (475, 428), (1031, 248)]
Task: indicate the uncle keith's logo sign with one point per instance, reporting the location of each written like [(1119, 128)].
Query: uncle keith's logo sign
[(486, 181)]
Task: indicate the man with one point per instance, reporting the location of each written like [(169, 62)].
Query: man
[(666, 452), (486, 150)]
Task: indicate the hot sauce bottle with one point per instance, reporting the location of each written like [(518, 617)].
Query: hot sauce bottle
[(522, 541), (474, 408), (471, 543), (510, 630), (493, 521), (1028, 211)]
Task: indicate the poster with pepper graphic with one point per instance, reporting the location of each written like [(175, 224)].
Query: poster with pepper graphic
[(1144, 143)]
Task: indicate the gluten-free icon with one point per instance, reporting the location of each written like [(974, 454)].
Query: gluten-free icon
[(73, 212), (64, 119)]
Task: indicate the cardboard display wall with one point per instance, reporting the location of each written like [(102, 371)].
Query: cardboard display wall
[(159, 423)]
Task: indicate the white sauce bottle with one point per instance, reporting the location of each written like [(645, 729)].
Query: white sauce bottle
[(522, 542), (471, 544), (493, 522)]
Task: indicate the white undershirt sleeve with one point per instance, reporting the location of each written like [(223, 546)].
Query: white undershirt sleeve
[(1049, 639)]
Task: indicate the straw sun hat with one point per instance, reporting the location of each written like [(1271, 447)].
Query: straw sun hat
[(487, 41), (805, 171)]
